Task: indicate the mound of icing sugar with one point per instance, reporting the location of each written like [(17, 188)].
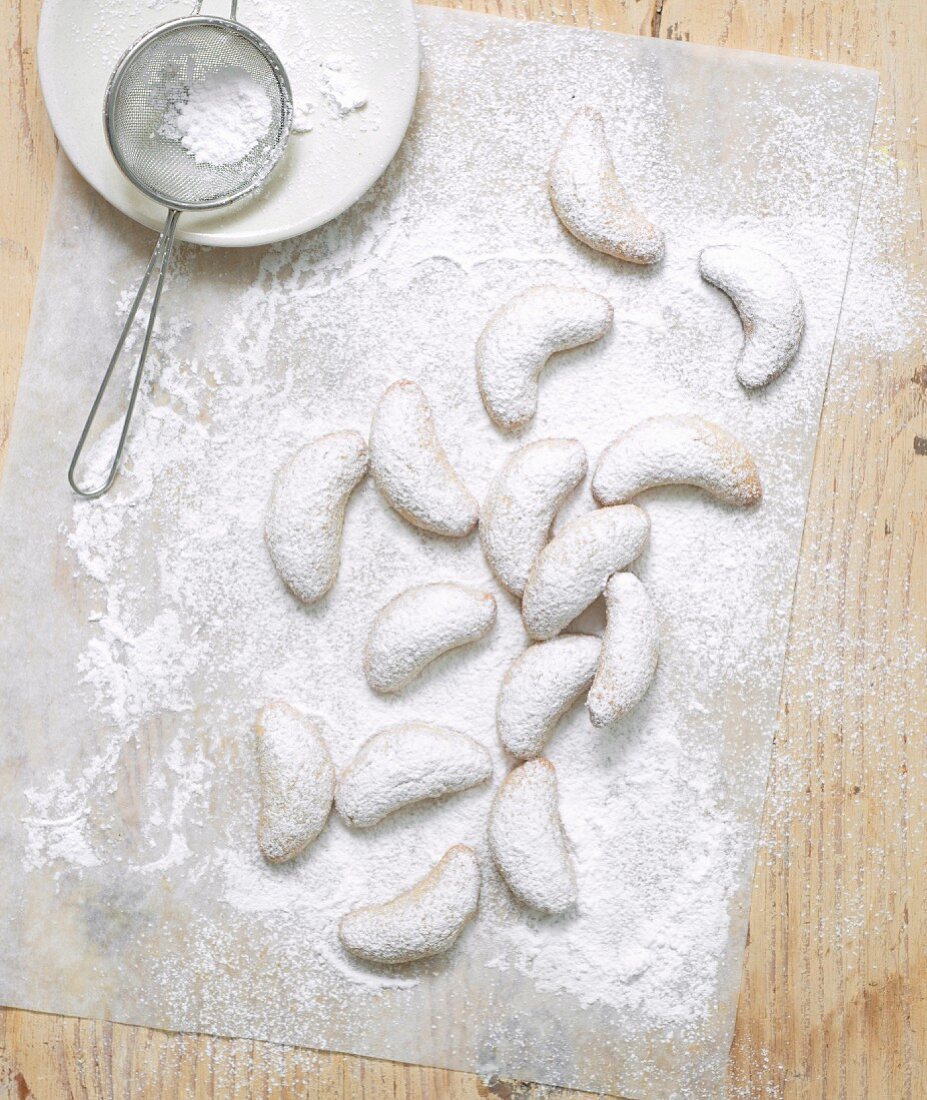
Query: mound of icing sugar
[(220, 119)]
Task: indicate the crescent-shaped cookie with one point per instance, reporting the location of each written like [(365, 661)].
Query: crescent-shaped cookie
[(411, 469), (422, 921), (676, 450), (303, 525), (590, 200), (539, 687), (523, 499), (419, 625), (766, 296), (408, 763), (297, 781), (520, 337), (630, 650), (573, 568), (527, 841)]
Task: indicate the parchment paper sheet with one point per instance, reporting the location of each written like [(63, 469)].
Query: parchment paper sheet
[(113, 900)]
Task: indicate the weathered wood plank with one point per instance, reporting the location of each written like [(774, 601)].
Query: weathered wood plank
[(25, 190)]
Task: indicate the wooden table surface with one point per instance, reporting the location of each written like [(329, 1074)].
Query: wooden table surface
[(834, 998)]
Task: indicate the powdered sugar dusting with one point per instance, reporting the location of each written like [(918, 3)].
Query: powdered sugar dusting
[(658, 954), (221, 124)]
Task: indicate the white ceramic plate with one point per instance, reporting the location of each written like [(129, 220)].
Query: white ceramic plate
[(335, 53)]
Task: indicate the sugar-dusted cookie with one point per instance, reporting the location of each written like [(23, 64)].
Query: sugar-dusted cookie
[(539, 687), (573, 568), (766, 296), (520, 337), (411, 469), (297, 781), (676, 450), (303, 525), (424, 920), (589, 199), (630, 650), (419, 625), (522, 501), (408, 763), (527, 841)]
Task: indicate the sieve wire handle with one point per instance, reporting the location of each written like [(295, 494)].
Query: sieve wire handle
[(158, 261), (233, 14)]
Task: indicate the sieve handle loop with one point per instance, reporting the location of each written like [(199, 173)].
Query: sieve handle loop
[(233, 13), (158, 262)]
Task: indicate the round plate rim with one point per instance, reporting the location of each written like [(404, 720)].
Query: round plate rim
[(222, 238)]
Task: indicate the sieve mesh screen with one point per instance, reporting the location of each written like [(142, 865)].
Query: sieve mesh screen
[(160, 71)]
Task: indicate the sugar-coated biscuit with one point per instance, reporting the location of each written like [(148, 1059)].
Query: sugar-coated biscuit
[(539, 687), (590, 200), (676, 450), (522, 335), (522, 501), (766, 296), (422, 921), (630, 651), (304, 521), (406, 763), (573, 568), (411, 469), (297, 781), (419, 625), (527, 840)]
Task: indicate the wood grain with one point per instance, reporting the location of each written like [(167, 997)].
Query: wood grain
[(28, 158), (834, 1002)]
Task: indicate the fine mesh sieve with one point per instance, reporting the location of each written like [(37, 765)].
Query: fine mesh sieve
[(155, 74)]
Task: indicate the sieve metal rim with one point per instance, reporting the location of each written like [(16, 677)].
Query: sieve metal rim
[(186, 22)]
